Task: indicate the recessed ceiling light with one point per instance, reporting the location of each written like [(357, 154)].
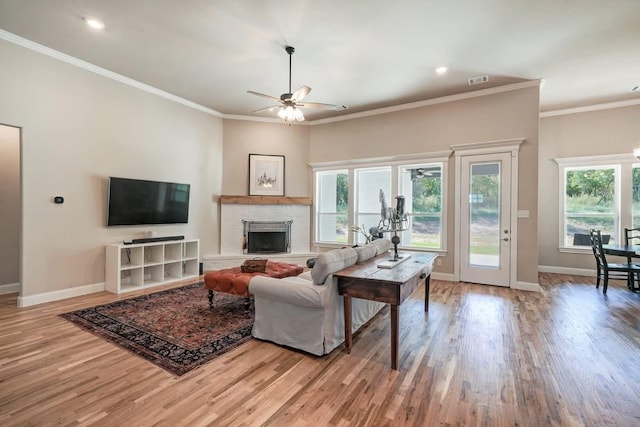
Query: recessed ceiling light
[(94, 23), (441, 70)]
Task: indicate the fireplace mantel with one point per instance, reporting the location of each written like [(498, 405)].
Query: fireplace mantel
[(264, 200)]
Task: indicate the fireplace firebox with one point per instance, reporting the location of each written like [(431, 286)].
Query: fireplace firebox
[(266, 237)]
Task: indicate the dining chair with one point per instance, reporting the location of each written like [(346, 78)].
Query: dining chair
[(609, 270), (631, 237)]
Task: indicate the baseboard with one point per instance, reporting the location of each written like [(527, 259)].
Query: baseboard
[(527, 286), (447, 277), (60, 294), (9, 288), (566, 270)]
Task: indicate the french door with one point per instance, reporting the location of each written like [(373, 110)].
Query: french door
[(485, 219)]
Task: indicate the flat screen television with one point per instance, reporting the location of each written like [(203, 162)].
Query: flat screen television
[(140, 202)]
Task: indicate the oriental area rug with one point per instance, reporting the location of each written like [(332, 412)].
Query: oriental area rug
[(174, 329)]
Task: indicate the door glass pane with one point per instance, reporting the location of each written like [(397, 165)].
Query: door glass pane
[(484, 215)]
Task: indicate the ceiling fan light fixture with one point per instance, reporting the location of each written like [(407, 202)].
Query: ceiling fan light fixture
[(290, 114)]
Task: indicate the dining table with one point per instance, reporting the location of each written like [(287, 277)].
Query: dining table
[(626, 251)]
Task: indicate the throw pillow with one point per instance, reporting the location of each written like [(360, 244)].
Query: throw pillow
[(329, 262), (254, 266)]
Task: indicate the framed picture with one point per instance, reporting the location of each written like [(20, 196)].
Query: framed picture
[(266, 175)]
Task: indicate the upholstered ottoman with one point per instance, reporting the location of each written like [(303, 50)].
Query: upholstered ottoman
[(234, 281)]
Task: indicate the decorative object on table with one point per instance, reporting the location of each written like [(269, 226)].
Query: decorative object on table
[(257, 265), (266, 175), (174, 329), (289, 105), (393, 220), (361, 230)]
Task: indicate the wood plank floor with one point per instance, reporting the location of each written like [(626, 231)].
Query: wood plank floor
[(482, 356)]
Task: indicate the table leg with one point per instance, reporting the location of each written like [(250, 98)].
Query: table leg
[(347, 323), (427, 289), (395, 320)]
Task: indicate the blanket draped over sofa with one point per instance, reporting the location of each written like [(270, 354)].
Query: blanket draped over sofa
[(305, 312)]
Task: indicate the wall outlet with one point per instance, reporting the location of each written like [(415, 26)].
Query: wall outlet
[(438, 261)]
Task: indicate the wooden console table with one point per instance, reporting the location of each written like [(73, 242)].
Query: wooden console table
[(392, 286)]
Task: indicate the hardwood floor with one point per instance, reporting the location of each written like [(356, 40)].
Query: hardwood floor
[(482, 356)]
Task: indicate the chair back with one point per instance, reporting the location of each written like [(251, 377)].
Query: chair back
[(596, 246), (632, 236)]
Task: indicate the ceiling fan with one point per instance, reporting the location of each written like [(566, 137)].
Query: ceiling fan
[(290, 103)]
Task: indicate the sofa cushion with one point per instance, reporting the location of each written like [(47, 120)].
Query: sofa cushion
[(382, 246), (365, 252), (332, 261), (306, 276)]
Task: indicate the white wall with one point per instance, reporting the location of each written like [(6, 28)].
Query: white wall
[(78, 129), (9, 205), (611, 131)]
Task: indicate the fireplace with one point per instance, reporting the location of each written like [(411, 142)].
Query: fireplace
[(266, 237)]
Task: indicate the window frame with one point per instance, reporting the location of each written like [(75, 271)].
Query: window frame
[(396, 163), (317, 211), (622, 165)]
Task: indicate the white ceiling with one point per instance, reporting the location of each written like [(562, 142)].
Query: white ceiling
[(365, 54)]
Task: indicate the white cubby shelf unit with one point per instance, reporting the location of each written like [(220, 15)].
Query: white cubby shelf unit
[(137, 266)]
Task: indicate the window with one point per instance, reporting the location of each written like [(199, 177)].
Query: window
[(421, 185), (635, 196), (590, 202), (332, 224), (600, 192), (348, 196), (368, 184)]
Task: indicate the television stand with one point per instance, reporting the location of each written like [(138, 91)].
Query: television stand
[(136, 266)]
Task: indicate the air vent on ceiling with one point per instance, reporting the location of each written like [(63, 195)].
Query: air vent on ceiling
[(476, 80)]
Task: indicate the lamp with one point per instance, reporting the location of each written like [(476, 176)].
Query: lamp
[(636, 153)]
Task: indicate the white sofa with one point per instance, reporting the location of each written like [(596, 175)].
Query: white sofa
[(306, 312)]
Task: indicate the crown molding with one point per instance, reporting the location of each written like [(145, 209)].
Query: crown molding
[(36, 47), (587, 108)]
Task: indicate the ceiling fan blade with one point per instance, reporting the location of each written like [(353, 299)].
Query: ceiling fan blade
[(263, 95), (271, 108), (300, 93), (321, 106)]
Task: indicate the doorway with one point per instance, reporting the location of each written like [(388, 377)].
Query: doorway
[(486, 212), (485, 220), (11, 212)]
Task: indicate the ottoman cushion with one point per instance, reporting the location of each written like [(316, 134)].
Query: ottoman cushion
[(234, 281)]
